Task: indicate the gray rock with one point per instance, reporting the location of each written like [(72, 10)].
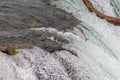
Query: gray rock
[(18, 16)]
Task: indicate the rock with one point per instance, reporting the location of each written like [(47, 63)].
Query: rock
[(18, 17), (23, 15)]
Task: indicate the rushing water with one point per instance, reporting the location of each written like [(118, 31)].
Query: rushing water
[(98, 58), (103, 47)]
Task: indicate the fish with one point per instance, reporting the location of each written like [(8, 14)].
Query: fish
[(81, 33)]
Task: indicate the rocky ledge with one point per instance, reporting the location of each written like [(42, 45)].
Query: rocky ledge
[(19, 18)]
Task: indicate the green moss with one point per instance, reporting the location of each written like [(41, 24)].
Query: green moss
[(10, 50), (13, 52)]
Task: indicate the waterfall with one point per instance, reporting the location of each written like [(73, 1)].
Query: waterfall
[(103, 46), (96, 59)]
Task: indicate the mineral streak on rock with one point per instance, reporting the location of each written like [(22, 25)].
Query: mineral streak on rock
[(113, 20), (18, 16)]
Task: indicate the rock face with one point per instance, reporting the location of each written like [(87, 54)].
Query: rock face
[(17, 17)]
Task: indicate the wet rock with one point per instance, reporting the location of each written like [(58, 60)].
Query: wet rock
[(29, 38), (28, 15), (18, 17)]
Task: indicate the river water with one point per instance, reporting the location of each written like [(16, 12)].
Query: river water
[(103, 47), (97, 59)]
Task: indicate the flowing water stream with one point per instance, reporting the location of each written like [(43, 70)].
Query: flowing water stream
[(97, 59), (103, 47)]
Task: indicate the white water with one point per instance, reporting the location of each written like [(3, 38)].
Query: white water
[(103, 47), (98, 59)]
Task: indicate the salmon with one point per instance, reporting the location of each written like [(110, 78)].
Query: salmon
[(81, 33), (113, 20)]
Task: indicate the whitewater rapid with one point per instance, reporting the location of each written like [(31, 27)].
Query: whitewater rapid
[(103, 47), (97, 59)]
